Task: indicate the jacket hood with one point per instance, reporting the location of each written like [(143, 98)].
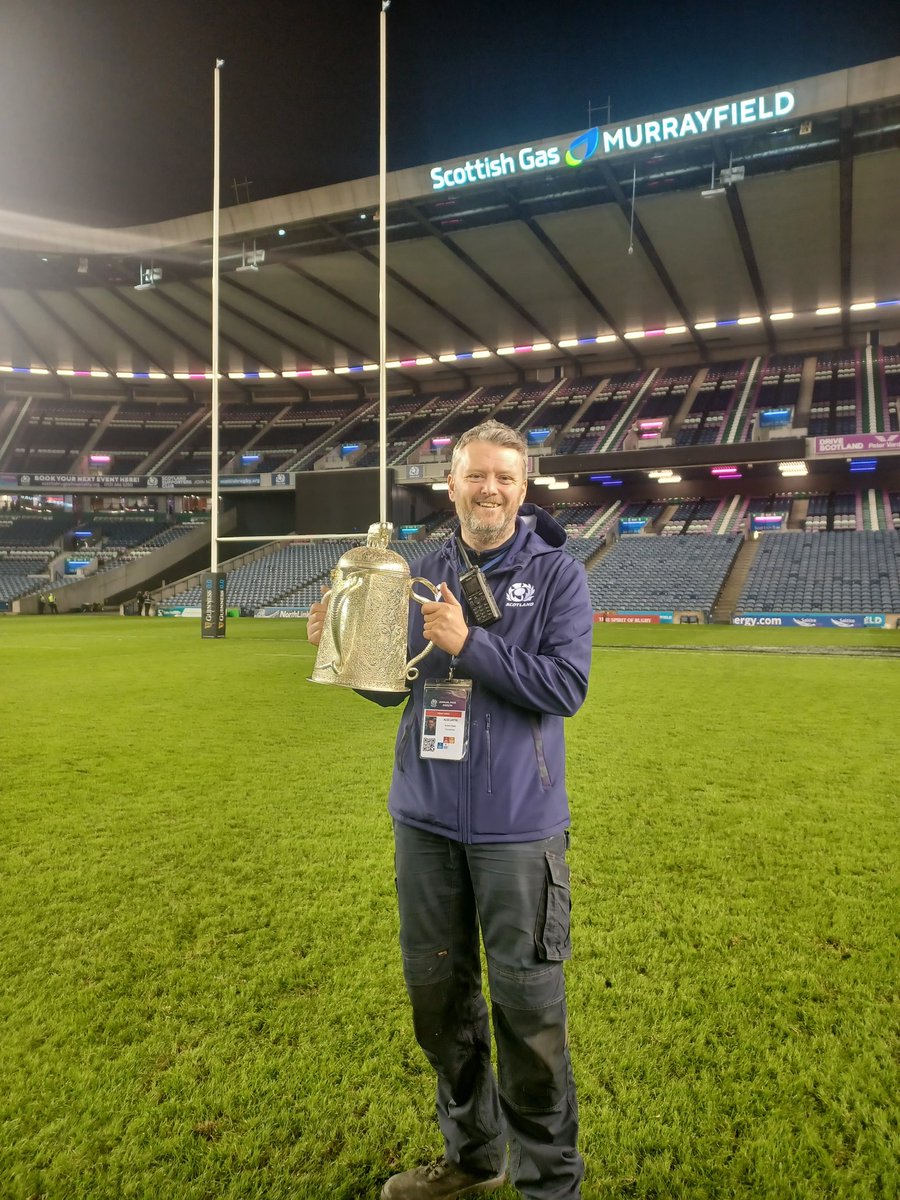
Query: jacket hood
[(546, 527), (536, 533)]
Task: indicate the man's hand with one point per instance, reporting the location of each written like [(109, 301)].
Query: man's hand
[(445, 624), (317, 618)]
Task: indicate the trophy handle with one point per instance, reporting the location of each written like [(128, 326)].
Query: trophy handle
[(411, 671), (338, 600)]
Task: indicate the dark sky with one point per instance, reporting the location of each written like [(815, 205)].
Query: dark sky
[(106, 105)]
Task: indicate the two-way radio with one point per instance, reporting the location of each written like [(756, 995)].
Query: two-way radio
[(477, 593)]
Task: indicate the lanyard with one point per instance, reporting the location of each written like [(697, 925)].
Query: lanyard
[(491, 562)]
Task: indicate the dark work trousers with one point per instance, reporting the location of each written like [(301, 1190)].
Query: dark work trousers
[(518, 893)]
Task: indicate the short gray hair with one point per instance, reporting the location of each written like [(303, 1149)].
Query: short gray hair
[(498, 434)]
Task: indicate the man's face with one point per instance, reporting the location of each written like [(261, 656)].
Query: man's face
[(487, 488)]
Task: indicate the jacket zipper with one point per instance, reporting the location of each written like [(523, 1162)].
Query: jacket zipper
[(487, 735), (465, 778)]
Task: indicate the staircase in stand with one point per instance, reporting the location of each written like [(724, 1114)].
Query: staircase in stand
[(726, 602)]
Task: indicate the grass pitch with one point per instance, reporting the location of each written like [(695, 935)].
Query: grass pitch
[(201, 995)]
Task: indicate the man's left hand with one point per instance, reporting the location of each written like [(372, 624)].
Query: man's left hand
[(445, 624)]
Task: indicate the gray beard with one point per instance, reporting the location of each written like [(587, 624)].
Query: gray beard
[(488, 535)]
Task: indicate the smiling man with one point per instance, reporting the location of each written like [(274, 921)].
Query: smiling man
[(481, 817)]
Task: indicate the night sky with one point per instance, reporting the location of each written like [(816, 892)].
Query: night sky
[(106, 105)]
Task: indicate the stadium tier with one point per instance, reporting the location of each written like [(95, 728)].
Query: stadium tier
[(825, 573), (837, 393), (652, 574)]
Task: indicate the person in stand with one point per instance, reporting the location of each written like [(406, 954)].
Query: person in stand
[(481, 822)]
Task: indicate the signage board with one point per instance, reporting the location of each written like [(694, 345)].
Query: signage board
[(602, 142), (855, 443), (813, 620)]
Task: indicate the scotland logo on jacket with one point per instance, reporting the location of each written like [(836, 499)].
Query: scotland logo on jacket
[(520, 595)]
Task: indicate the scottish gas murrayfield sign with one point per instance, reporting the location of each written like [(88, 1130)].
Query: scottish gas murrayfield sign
[(597, 142)]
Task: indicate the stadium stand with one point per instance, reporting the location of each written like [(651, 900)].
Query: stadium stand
[(53, 435), (663, 401), (653, 574), (599, 421), (776, 386), (693, 516), (826, 573), (19, 576), (275, 576), (559, 409), (33, 532), (832, 512), (837, 393), (716, 395)]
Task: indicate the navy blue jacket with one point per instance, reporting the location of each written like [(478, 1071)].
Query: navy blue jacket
[(529, 670)]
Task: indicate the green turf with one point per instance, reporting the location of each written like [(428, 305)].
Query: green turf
[(200, 993)]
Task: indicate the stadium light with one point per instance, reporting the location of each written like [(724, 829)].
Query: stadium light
[(149, 278), (251, 259), (712, 190), (544, 479)]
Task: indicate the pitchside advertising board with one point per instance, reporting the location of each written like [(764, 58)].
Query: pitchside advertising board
[(635, 618), (815, 620)]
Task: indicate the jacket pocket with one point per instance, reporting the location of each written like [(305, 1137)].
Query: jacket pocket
[(553, 936), (538, 739), (401, 747)]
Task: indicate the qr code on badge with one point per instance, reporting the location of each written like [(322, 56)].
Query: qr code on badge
[(427, 745)]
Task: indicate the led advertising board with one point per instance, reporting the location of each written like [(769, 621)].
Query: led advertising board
[(601, 142)]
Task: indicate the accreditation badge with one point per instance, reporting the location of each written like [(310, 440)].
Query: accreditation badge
[(445, 719)]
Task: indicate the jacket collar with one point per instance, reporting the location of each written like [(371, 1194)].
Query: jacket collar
[(536, 533)]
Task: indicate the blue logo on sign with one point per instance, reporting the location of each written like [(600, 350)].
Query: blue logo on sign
[(583, 147)]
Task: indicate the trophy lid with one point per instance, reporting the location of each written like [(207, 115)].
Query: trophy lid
[(375, 555)]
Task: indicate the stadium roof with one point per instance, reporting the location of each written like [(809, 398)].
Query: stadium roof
[(763, 222)]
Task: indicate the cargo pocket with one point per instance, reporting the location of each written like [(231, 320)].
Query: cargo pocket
[(554, 943)]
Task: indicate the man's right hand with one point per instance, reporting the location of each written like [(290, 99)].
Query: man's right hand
[(317, 618)]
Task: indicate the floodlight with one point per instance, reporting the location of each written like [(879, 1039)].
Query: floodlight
[(149, 278)]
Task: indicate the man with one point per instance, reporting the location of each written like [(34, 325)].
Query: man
[(480, 826)]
